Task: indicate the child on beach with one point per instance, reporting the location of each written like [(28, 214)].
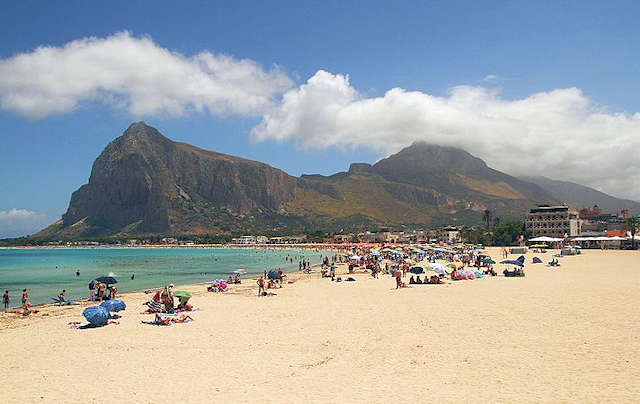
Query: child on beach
[(260, 283), (5, 300), (25, 296)]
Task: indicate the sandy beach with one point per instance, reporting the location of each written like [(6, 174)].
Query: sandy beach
[(567, 334)]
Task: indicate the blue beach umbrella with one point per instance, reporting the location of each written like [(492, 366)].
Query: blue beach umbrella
[(96, 315), (109, 280), (113, 306)]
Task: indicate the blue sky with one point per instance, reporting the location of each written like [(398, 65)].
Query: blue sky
[(452, 59)]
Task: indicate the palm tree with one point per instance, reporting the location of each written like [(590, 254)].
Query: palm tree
[(631, 225), (486, 217)]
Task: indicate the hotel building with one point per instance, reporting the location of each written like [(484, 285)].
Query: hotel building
[(553, 221)]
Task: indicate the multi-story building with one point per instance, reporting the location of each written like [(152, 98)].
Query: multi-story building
[(553, 221)]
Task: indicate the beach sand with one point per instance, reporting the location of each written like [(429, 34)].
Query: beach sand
[(567, 334)]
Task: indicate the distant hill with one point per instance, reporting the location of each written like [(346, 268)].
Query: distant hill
[(581, 196), (144, 183)]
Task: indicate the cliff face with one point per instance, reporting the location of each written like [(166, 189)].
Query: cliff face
[(143, 182)]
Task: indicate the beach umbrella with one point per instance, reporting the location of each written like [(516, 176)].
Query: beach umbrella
[(273, 274), (109, 280), (240, 271), (182, 293), (374, 252), (96, 315), (113, 306), (488, 261), (512, 262), (417, 270), (476, 271), (438, 268)]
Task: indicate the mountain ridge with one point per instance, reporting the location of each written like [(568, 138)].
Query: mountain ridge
[(581, 196), (145, 183)]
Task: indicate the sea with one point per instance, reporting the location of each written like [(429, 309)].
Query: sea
[(46, 272)]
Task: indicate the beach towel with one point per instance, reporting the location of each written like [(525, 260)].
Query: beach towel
[(154, 306)]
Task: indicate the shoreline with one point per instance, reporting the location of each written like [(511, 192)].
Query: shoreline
[(84, 302), (151, 277), (303, 246)]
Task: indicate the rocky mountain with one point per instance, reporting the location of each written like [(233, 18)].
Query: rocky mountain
[(580, 196), (144, 183), (422, 184)]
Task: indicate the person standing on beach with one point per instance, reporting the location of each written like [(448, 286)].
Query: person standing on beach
[(5, 300), (398, 275), (100, 287), (25, 296), (260, 283), (281, 276), (92, 291)]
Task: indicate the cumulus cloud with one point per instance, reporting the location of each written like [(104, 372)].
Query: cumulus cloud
[(19, 222), (560, 133), (136, 74)]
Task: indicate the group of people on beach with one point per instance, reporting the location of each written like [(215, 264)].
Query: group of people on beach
[(266, 282), (97, 291), (25, 309)]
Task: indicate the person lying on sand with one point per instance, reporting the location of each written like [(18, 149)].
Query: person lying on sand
[(24, 310), (159, 320), (182, 319)]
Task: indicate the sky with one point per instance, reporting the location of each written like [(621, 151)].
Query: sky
[(534, 88)]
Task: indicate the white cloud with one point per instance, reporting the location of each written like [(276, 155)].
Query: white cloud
[(16, 214), (136, 74), (20, 222), (560, 133), (490, 78)]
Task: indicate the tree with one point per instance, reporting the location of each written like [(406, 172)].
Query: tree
[(486, 217), (507, 232), (631, 225)]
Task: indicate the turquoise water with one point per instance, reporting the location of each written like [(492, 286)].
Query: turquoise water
[(45, 272)]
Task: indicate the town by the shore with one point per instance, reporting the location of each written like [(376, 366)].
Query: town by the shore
[(565, 333)]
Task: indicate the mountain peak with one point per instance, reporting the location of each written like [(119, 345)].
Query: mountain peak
[(427, 156)]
